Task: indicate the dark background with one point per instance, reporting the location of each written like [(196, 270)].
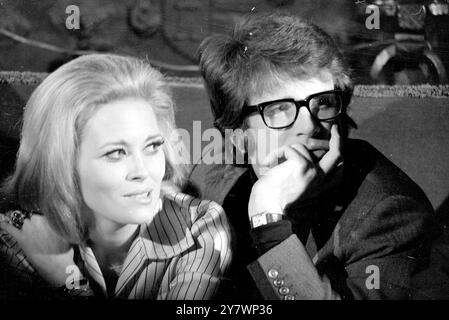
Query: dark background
[(412, 131), (169, 31)]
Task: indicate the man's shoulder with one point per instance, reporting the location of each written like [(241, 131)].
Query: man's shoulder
[(214, 181), (376, 176), (377, 192), (384, 212)]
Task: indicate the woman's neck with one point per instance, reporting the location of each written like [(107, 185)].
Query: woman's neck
[(111, 244)]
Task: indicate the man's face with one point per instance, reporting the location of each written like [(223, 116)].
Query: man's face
[(312, 134)]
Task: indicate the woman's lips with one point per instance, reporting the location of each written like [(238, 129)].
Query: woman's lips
[(143, 197)]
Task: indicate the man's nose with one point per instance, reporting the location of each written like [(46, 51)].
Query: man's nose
[(138, 168), (305, 123)]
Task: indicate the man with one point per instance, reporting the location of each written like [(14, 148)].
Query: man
[(316, 215)]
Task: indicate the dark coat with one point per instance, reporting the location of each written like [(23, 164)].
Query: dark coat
[(368, 234)]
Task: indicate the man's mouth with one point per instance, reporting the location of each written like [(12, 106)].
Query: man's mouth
[(315, 144), (317, 154), (317, 148)]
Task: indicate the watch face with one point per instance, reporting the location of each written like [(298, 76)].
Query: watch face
[(259, 220), (265, 218)]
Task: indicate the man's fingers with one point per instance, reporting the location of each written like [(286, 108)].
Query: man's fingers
[(333, 156), (273, 158), (302, 151), (283, 153), (335, 140)]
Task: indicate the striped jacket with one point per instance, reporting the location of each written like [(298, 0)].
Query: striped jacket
[(182, 254)]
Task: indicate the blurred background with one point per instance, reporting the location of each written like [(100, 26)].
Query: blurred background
[(403, 44), (385, 41)]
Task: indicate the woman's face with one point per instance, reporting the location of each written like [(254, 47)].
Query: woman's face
[(121, 163)]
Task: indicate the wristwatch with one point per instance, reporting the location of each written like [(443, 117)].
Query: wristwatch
[(264, 218)]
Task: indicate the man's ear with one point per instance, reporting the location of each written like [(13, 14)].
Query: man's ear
[(239, 140)]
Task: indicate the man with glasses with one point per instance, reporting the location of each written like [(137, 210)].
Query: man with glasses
[(315, 215)]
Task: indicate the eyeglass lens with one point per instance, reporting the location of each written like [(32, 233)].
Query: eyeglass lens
[(283, 113)]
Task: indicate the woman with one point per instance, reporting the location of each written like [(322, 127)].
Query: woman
[(95, 161)]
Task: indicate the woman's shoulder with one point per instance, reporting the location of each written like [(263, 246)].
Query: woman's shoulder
[(181, 222), (11, 254), (6, 240), (197, 217), (191, 208)]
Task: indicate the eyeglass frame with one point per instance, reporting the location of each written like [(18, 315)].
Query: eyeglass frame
[(247, 110)]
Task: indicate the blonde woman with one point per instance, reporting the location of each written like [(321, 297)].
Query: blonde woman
[(96, 201)]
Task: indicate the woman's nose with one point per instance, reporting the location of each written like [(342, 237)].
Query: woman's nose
[(138, 168)]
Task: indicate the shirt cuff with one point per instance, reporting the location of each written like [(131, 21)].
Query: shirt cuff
[(269, 235)]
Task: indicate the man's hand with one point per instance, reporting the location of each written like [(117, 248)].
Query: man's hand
[(287, 181), (48, 252)]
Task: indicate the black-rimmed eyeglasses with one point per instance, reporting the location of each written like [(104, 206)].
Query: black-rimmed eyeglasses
[(282, 113)]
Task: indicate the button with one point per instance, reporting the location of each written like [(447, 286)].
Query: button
[(278, 283), (284, 290), (289, 297), (273, 273)]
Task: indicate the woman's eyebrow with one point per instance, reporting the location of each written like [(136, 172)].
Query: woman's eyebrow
[(153, 136), (114, 143), (124, 143)]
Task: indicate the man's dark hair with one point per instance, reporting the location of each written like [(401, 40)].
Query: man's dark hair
[(264, 50)]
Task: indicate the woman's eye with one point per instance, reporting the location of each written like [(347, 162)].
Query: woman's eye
[(116, 154), (154, 145)]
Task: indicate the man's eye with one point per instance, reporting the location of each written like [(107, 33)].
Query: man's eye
[(116, 154), (276, 109), (284, 107), (323, 101)]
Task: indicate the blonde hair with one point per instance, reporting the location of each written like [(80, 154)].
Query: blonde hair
[(45, 177)]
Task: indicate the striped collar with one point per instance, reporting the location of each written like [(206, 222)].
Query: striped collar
[(165, 237), (169, 233)]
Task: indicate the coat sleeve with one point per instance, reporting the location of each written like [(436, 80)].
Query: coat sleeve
[(19, 279), (287, 272), (197, 273), (432, 282), (17, 276), (380, 253), (387, 247)]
